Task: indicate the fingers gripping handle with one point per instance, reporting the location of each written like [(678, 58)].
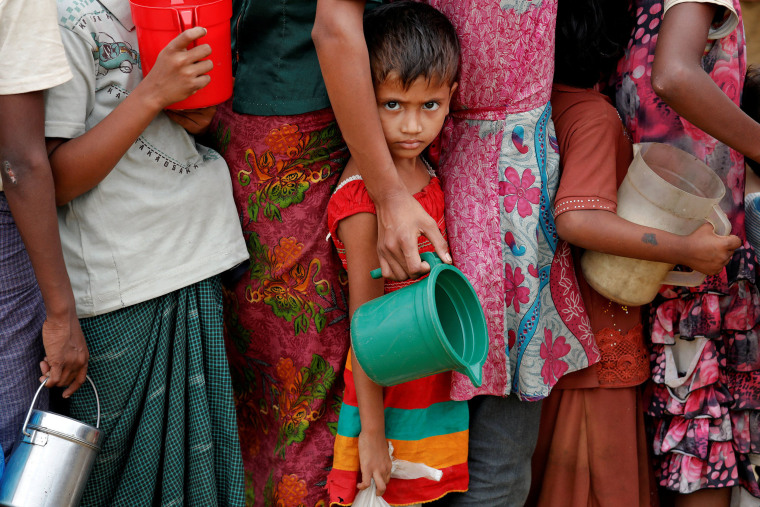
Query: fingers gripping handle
[(722, 226), (187, 19), (719, 221), (430, 257), (34, 401)]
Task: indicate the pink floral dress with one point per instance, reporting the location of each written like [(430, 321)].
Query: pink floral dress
[(705, 415), (499, 166)]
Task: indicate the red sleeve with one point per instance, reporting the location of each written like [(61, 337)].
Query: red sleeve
[(349, 199)]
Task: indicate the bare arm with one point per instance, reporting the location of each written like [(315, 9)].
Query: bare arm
[(28, 186), (679, 79), (339, 39), (359, 235), (177, 74), (603, 231)]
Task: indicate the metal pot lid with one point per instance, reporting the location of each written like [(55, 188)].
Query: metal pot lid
[(65, 427)]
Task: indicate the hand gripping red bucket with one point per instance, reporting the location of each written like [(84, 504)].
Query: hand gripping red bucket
[(159, 21)]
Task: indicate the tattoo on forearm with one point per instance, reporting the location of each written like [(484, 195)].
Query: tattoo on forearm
[(649, 239)]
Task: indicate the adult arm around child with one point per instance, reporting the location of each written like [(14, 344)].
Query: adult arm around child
[(338, 38)]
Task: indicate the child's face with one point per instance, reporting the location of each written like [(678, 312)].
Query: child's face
[(412, 117)]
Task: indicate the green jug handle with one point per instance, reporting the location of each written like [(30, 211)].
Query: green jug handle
[(430, 257)]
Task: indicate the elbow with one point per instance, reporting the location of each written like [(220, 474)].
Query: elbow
[(669, 83), (324, 31), (576, 227), (334, 32), (318, 33), (63, 195), (20, 171), (61, 200), (566, 224)]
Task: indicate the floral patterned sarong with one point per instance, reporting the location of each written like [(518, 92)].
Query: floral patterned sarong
[(287, 325)]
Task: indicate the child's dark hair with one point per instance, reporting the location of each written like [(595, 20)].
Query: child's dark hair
[(751, 105), (413, 40), (591, 37)]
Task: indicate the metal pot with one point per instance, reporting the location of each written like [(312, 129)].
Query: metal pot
[(51, 462)]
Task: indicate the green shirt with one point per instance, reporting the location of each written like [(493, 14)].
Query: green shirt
[(276, 66)]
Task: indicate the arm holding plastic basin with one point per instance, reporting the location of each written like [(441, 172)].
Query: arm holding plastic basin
[(704, 250)]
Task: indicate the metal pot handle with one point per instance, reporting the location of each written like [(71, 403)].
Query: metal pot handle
[(34, 401)]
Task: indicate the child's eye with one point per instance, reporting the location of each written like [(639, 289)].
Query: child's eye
[(391, 106), (431, 106)]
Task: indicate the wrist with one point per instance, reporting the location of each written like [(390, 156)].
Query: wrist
[(373, 429), (386, 188), (145, 95), (680, 251), (60, 307), (390, 195)]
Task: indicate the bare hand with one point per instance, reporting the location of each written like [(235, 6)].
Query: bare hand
[(707, 252), (400, 222), (375, 461), (66, 354), (179, 72), (195, 121)]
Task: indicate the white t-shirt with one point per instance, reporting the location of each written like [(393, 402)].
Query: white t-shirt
[(31, 52), (164, 217), (721, 29)]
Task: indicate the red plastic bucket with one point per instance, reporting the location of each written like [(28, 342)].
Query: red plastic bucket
[(159, 21)]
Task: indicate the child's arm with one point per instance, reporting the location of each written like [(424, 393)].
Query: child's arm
[(359, 235), (591, 147), (604, 231), (178, 73), (679, 79), (339, 38)]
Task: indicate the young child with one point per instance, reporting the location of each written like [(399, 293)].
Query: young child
[(592, 447), (500, 173), (414, 59), (147, 222)]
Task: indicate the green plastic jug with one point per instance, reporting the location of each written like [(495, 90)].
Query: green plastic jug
[(428, 327)]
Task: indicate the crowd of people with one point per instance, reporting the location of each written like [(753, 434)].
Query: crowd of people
[(202, 267)]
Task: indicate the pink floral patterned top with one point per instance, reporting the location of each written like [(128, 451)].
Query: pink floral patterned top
[(507, 61), (500, 169)]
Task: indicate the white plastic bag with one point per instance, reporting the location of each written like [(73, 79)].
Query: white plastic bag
[(400, 469), (368, 498)]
